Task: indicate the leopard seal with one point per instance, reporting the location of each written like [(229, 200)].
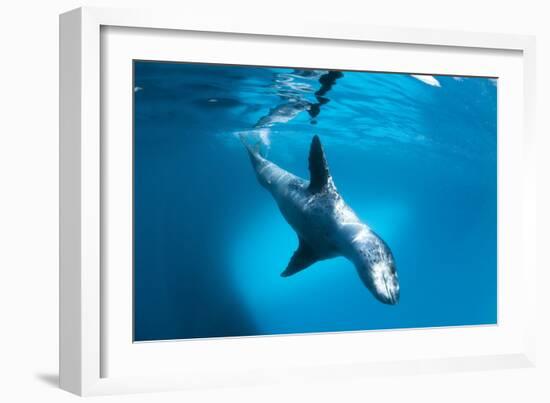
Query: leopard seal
[(326, 226)]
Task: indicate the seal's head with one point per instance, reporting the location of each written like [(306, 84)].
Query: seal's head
[(376, 267)]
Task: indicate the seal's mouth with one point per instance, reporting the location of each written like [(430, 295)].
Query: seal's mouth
[(386, 285), (391, 297)]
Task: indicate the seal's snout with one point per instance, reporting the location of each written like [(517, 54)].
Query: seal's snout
[(391, 296), (385, 283)]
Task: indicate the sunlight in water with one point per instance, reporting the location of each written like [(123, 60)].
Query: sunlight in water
[(260, 251)]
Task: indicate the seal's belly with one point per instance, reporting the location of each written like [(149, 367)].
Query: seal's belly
[(312, 217)]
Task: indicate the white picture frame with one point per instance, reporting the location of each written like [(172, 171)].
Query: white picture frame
[(83, 295)]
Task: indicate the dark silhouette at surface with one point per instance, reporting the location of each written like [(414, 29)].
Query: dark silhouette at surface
[(327, 81)]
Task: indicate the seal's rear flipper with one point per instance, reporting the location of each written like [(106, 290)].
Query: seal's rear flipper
[(254, 151), (303, 258)]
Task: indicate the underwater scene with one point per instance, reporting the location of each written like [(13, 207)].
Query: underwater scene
[(275, 200)]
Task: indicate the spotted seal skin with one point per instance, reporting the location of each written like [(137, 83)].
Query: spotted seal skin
[(326, 226)]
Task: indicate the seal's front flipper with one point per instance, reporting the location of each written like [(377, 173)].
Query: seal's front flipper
[(303, 257), (318, 167)]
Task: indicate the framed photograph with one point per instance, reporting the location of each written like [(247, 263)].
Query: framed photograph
[(245, 203)]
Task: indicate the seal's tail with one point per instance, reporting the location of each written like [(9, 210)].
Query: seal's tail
[(254, 151)]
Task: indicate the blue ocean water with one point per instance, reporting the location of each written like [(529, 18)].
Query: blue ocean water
[(414, 156)]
